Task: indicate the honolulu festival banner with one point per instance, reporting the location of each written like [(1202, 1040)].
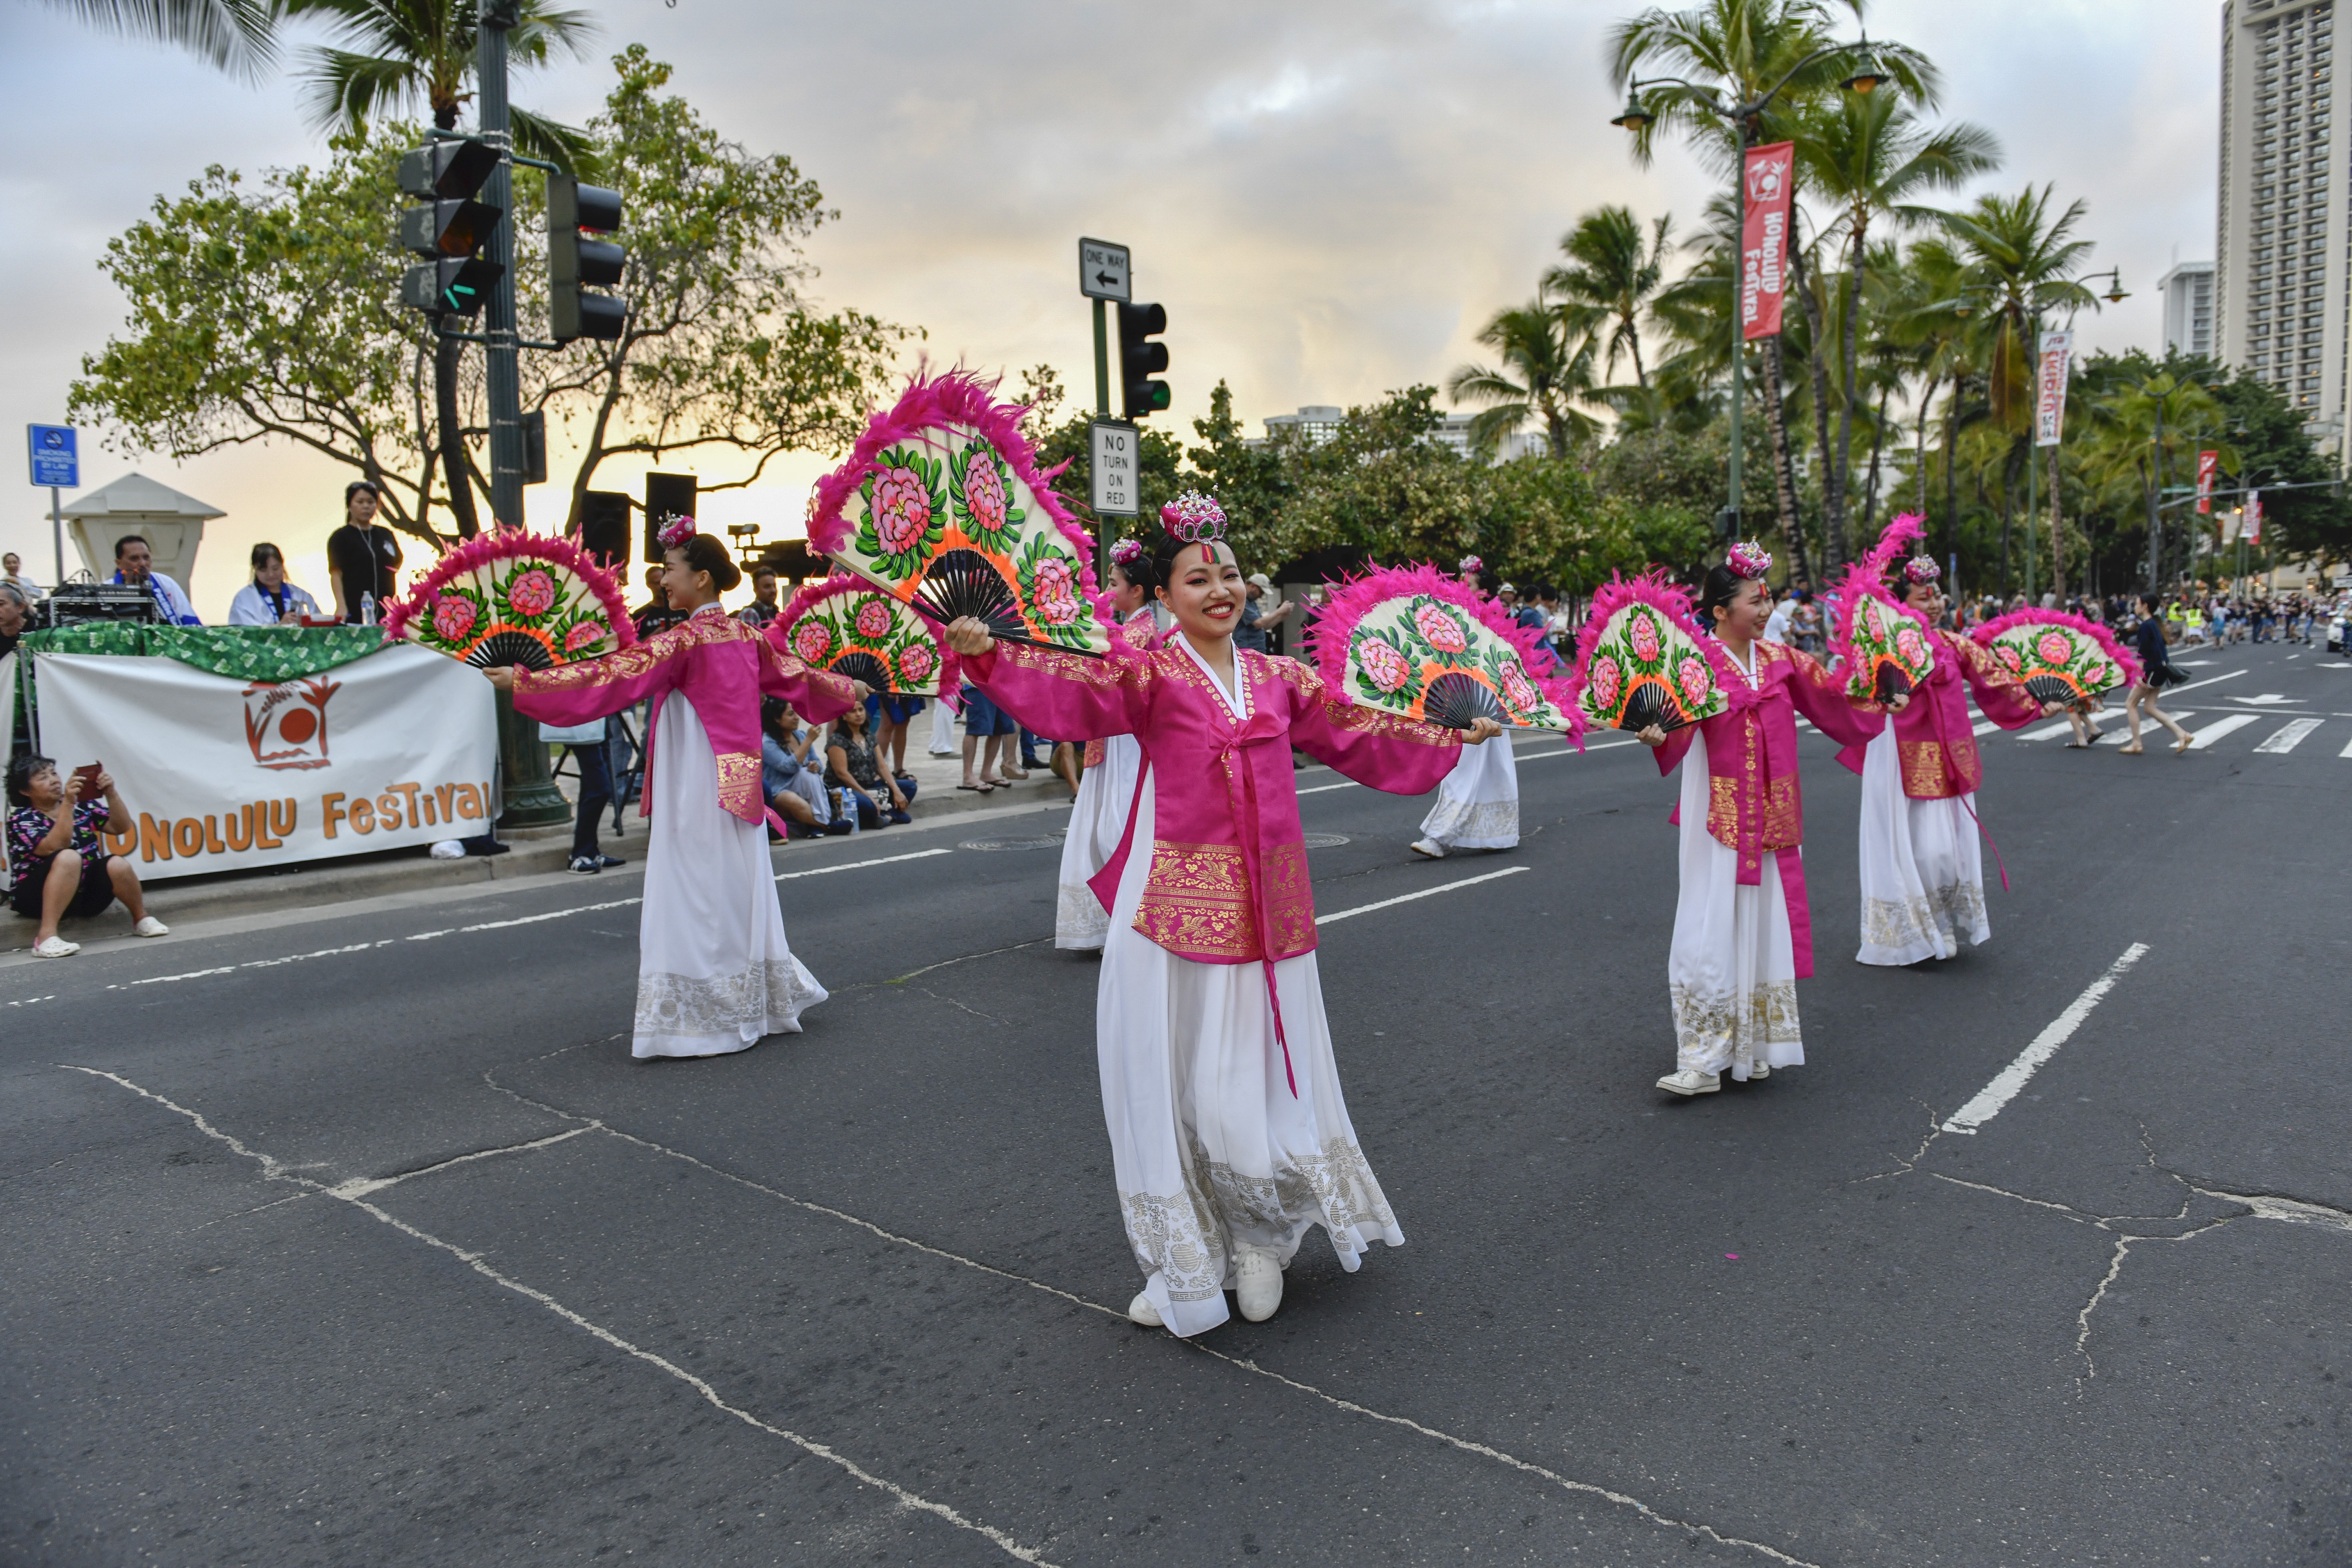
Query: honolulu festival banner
[(219, 773), (1770, 181)]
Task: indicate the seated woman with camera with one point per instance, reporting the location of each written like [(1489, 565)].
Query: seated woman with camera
[(55, 865)]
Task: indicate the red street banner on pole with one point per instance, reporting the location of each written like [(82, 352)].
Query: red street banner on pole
[(2253, 529), (2050, 387), (2206, 463), (1769, 180)]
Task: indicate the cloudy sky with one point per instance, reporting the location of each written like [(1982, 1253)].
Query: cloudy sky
[(1329, 196)]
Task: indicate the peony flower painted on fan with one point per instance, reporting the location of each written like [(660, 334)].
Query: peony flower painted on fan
[(984, 490), (1382, 664), (1604, 682), (453, 617), (1443, 632), (1642, 633), (1911, 647), (1054, 592), (873, 619), (812, 639), (1870, 621), (1697, 684), (901, 510), (2010, 658), (916, 664), (531, 593), (586, 634), (2054, 648), (1517, 689)]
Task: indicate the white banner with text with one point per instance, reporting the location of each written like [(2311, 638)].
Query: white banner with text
[(220, 774)]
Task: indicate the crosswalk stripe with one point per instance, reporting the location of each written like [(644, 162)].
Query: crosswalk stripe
[(1987, 728), (2288, 737), (2121, 734), (2346, 752), (2046, 732), (2218, 727)]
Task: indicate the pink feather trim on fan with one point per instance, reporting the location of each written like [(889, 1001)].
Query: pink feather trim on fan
[(1674, 602), (1867, 578), (505, 544), (2098, 634), (808, 595), (958, 397), (1354, 597), (1907, 528)]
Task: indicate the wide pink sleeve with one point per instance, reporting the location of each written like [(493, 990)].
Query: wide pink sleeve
[(596, 687), (1678, 743), (818, 696), (1403, 756), (2002, 695), (1067, 696), (1821, 697)]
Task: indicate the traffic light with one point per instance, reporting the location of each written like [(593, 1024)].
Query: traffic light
[(574, 263), (1140, 359), (451, 226)]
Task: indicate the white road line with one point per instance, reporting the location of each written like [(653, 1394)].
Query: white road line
[(1322, 920), (1343, 784), (274, 1170), (522, 919), (2288, 737), (2226, 725), (1987, 728), (2046, 732), (2010, 1079), (2346, 752), (2122, 735), (855, 865), (2209, 681), (256, 964)]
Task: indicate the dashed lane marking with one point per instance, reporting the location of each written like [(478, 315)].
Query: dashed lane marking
[(2006, 1084), (2288, 736), (1323, 919)]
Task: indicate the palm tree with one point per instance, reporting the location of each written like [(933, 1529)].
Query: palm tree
[(1611, 276), (235, 35), (1869, 156), (1552, 376), (393, 55)]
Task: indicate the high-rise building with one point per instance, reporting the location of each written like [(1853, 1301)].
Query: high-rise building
[(1320, 421), (2187, 291), (2283, 279)]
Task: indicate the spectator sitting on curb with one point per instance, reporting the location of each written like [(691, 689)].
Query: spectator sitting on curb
[(855, 769), (791, 786), (56, 866)]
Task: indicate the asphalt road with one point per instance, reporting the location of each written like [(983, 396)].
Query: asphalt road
[(355, 1236)]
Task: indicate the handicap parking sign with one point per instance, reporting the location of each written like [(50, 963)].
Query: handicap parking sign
[(55, 461)]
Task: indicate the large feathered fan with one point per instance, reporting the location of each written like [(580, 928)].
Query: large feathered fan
[(941, 506), (1885, 648), (1413, 641), (511, 597), (850, 628), (1642, 660), (2061, 658)]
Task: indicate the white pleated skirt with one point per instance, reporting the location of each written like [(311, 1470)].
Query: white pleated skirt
[(714, 974), (1478, 804), (1922, 868), (1210, 1151), (1098, 817), (1731, 973)]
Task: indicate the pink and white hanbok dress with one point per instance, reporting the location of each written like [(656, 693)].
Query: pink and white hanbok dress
[(1743, 931), (1099, 818), (1228, 1128)]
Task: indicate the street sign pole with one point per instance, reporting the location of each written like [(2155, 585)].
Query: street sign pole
[(1102, 363), (57, 463), (58, 534), (1104, 274)]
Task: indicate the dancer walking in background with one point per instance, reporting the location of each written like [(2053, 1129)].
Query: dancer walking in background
[(2156, 669), (714, 971), (1107, 788), (1229, 1133)]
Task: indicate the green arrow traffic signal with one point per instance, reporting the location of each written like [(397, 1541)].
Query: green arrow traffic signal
[(450, 226), (1140, 359)]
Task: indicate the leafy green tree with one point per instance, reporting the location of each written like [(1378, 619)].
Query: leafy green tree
[(238, 36), (1606, 285), (1543, 376), (2273, 448), (1253, 481), (394, 56)]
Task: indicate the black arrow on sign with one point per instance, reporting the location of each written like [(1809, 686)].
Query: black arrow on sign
[(1105, 279)]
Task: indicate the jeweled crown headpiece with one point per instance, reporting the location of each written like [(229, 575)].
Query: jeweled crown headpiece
[(1193, 519), (1921, 569), (1127, 552), (1470, 563), (1748, 559), (675, 532)]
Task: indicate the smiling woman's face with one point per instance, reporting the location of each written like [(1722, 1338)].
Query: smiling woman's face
[(1204, 591)]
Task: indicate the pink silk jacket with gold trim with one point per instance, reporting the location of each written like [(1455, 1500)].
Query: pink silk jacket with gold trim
[(717, 663), (1228, 881), (1934, 740)]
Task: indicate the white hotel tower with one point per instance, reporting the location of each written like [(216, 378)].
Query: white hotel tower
[(2283, 280)]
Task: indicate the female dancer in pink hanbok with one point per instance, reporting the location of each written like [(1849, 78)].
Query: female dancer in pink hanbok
[(714, 972), (1743, 934), (1229, 1133), (1106, 789)]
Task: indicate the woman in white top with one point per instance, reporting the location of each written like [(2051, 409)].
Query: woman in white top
[(270, 600)]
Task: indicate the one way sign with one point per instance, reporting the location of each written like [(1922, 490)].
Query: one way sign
[(1102, 269)]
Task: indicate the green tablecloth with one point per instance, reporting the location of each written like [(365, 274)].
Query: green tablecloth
[(240, 653)]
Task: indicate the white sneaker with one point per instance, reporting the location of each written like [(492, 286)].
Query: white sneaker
[(1758, 1070), (1690, 1081), (150, 926), (1429, 847), (56, 947), (1257, 1284), (1143, 1312)]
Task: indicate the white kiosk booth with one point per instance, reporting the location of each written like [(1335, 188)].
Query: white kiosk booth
[(171, 523)]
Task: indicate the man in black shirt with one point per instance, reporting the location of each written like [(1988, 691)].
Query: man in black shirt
[(362, 559), (763, 608)]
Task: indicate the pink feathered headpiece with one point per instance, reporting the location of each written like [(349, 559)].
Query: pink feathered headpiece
[(675, 532), (1127, 552), (1193, 519), (1470, 563), (1921, 569)]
